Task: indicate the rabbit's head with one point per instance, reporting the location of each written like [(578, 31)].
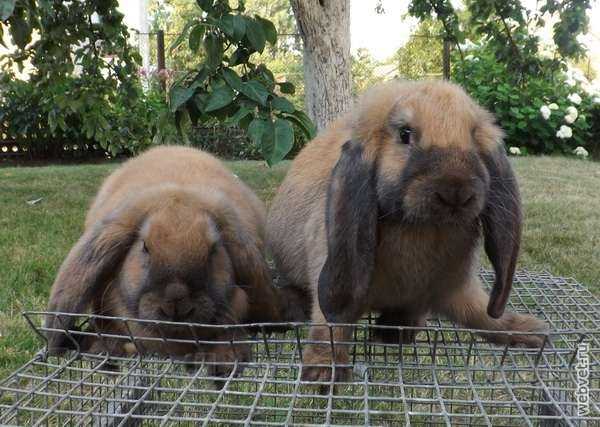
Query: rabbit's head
[(178, 268), (421, 153)]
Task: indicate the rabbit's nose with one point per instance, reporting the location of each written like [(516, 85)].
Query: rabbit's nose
[(176, 303), (455, 196), (177, 310)]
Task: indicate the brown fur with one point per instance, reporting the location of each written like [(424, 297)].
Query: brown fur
[(423, 260), (171, 233)]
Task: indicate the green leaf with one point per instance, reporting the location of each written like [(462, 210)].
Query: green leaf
[(179, 95), (277, 141), (205, 5), (238, 57), (20, 31), (256, 130), (214, 50), (283, 105), (181, 37), (239, 115), (201, 100), (6, 9), (220, 97), (269, 29), (200, 77), (196, 37), (516, 112), (303, 122), (183, 124), (255, 91), (287, 87), (266, 76), (226, 24), (245, 121), (255, 34), (239, 27), (232, 79)]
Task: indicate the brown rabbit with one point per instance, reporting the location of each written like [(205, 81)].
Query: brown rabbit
[(384, 211), (172, 235)]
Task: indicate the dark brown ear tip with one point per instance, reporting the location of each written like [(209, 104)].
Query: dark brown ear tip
[(494, 310), (498, 299), (346, 315)]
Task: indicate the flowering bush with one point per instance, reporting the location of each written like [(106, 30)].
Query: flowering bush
[(554, 111)]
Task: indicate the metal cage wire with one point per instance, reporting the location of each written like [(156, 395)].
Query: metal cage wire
[(448, 376)]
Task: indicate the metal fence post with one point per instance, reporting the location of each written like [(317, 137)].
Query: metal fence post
[(446, 59), (160, 57)]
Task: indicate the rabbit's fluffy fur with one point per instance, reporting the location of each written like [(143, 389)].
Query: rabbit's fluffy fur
[(171, 235), (385, 210)]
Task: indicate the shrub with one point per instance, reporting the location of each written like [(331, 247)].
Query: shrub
[(82, 85), (546, 112), (44, 121)]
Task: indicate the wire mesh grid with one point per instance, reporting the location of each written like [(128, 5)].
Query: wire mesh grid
[(448, 376)]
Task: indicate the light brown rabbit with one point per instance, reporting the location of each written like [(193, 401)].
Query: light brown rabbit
[(172, 235), (384, 211)]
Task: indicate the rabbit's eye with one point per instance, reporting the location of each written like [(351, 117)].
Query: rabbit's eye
[(145, 248), (405, 135)]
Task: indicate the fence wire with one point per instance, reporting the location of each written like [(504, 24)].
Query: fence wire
[(448, 376)]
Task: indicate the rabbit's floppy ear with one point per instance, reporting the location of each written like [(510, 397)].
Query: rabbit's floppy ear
[(351, 224), (88, 269), (250, 268), (501, 220)]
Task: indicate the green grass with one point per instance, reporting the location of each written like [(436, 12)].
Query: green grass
[(562, 229)]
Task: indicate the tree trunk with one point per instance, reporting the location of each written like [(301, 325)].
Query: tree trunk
[(325, 29)]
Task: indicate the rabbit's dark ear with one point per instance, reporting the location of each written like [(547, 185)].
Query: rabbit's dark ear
[(501, 220), (88, 269), (351, 222), (251, 271)]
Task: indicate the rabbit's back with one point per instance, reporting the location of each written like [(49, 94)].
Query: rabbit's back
[(185, 167)]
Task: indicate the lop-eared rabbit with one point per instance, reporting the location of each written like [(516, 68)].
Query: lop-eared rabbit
[(384, 211), (172, 235)]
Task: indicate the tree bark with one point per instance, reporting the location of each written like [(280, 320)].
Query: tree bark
[(324, 26)]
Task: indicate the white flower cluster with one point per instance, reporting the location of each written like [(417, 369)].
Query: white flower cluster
[(575, 76), (546, 110), (574, 98), (581, 152), (571, 114), (515, 151), (565, 132)]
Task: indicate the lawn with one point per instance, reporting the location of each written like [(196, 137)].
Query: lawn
[(562, 229)]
